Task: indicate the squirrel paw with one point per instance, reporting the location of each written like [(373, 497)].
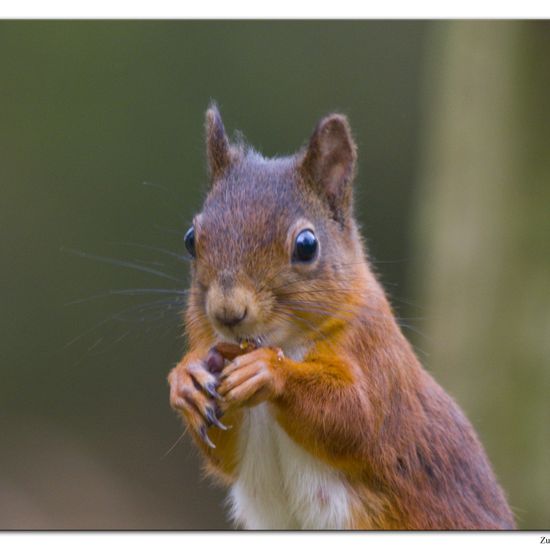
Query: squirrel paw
[(251, 378), (193, 393)]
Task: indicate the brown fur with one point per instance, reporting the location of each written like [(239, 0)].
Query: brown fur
[(359, 400)]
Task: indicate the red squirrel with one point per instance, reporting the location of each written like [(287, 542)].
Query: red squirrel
[(323, 417)]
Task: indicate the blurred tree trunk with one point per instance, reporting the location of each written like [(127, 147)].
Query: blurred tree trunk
[(484, 243)]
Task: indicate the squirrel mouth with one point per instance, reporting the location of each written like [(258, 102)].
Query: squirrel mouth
[(251, 342), (244, 341)]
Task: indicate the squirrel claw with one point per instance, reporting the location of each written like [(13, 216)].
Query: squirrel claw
[(211, 417), (211, 390), (205, 438)]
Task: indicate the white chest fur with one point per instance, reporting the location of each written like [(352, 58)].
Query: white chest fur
[(282, 486)]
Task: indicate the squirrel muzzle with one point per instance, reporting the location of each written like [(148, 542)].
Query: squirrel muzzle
[(231, 309)]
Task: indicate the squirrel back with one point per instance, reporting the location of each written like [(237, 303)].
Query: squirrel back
[(279, 263)]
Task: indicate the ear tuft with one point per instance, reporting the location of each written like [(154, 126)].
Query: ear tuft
[(217, 145), (329, 164)]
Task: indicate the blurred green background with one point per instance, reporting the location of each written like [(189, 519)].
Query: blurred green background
[(101, 145)]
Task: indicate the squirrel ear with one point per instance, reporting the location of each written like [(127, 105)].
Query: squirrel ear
[(218, 150), (329, 163)]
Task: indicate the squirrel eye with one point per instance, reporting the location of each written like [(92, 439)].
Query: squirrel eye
[(189, 240), (305, 246)]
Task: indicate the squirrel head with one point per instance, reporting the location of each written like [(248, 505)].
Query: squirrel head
[(276, 249)]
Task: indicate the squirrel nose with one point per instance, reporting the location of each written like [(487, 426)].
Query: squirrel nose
[(231, 318)]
